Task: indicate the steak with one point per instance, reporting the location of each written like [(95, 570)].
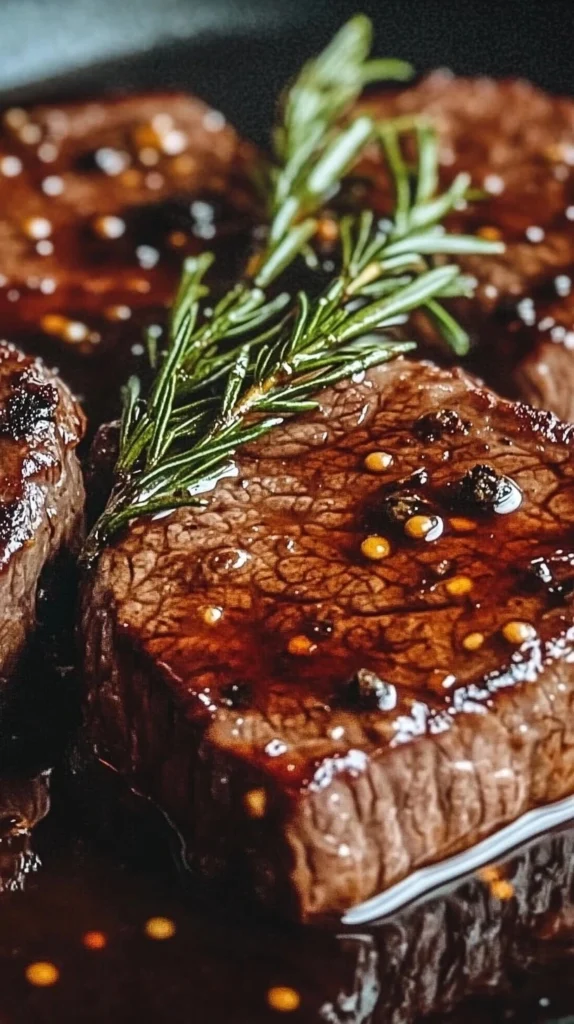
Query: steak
[(340, 670), (517, 143), (99, 203), (41, 490)]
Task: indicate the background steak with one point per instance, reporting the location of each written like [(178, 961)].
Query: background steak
[(41, 490), (99, 203), (318, 719), (517, 143)]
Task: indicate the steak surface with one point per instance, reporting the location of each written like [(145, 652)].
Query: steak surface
[(319, 719), (99, 203), (41, 490), (517, 143)]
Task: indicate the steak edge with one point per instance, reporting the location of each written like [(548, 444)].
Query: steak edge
[(41, 490), (316, 721)]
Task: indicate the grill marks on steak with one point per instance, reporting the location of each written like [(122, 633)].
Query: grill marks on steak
[(99, 204), (517, 143), (41, 489), (348, 797)]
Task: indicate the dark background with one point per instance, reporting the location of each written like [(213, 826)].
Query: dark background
[(237, 53)]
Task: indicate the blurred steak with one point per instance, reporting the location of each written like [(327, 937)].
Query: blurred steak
[(99, 203), (517, 143), (322, 722), (41, 490)]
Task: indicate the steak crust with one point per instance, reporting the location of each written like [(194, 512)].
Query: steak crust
[(41, 489), (517, 143), (99, 203), (317, 717)]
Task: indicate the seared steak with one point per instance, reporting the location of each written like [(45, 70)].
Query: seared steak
[(325, 714), (41, 490), (99, 203), (517, 143)]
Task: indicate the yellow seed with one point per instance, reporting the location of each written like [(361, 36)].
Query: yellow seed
[(517, 632), (160, 928), (94, 940), (301, 645), (177, 238), (490, 873), (458, 586), (462, 525), (418, 527), (211, 615), (473, 641), (377, 462), (283, 999), (255, 802), (375, 548), (489, 232), (42, 973), (53, 323), (502, 889), (328, 229)]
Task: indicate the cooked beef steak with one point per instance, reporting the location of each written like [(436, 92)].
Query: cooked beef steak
[(99, 203), (326, 715), (517, 143), (41, 489)]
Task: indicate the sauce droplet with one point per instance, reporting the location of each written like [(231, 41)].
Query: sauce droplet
[(42, 973), (160, 928)]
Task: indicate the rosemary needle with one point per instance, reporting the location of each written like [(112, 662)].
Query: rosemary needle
[(210, 397)]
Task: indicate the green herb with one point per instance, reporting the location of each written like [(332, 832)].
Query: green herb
[(227, 379)]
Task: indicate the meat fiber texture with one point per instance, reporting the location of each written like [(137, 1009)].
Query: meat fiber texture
[(517, 143), (317, 722), (41, 490), (99, 203)]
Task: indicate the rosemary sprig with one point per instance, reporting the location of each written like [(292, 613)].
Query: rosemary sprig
[(211, 397)]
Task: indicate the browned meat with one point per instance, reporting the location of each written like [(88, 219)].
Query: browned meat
[(518, 145), (321, 719), (99, 203), (41, 489)]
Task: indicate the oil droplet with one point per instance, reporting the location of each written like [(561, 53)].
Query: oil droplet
[(511, 497), (378, 462), (10, 166), (255, 803), (160, 928), (94, 940), (117, 313), (227, 559), (517, 632), (462, 525), (473, 641), (37, 227), (301, 646), (53, 185), (458, 586), (283, 999), (211, 615), (42, 973), (375, 548), (422, 527)]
